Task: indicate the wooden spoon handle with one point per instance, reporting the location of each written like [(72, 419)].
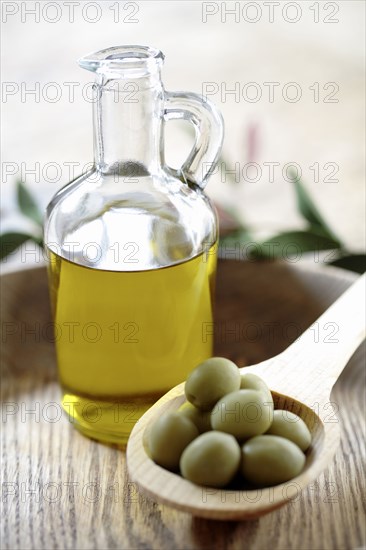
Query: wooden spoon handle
[(308, 369)]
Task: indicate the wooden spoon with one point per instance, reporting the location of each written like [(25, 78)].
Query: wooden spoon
[(306, 371)]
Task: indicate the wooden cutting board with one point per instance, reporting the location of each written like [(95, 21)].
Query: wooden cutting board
[(62, 490)]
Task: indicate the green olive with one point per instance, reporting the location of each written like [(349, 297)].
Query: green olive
[(168, 437), (201, 419), (253, 382), (289, 425), (212, 459), (210, 381), (269, 459), (242, 413)]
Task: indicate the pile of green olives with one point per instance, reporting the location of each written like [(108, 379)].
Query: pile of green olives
[(228, 429)]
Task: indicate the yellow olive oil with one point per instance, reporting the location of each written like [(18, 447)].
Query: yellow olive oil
[(125, 338)]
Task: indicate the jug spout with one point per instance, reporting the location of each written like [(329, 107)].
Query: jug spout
[(132, 60)]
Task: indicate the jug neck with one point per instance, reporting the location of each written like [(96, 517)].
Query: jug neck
[(127, 123), (127, 109)]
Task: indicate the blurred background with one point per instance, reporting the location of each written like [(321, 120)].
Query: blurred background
[(288, 77)]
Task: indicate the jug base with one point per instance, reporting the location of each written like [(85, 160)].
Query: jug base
[(109, 420)]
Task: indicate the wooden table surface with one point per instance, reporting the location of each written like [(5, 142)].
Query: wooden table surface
[(62, 490)]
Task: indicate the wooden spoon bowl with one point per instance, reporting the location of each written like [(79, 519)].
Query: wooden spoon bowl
[(306, 371)]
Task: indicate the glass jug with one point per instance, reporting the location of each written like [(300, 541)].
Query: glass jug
[(132, 249)]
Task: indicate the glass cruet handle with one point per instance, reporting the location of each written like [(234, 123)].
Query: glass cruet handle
[(209, 133)]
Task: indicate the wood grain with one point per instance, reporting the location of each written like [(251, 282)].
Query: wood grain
[(61, 490)]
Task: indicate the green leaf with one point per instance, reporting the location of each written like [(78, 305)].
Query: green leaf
[(11, 241), (241, 236), (293, 243), (37, 240), (308, 209), (232, 244), (353, 262), (28, 205)]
